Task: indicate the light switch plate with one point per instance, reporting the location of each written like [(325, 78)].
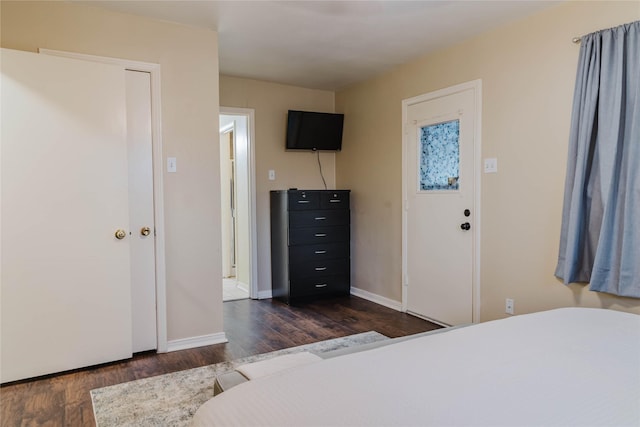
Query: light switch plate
[(272, 175), (490, 165), (171, 164)]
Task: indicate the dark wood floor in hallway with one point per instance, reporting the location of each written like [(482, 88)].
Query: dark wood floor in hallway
[(252, 327)]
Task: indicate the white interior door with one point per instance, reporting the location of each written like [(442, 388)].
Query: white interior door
[(241, 194), (440, 204), (227, 201), (65, 281), (142, 228)]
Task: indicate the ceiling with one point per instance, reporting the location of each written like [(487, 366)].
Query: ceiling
[(329, 44)]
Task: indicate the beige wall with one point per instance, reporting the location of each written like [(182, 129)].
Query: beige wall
[(189, 69), (528, 73), (293, 169)]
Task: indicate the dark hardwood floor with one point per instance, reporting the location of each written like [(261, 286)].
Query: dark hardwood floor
[(252, 327)]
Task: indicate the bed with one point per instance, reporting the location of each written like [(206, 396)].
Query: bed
[(570, 366)]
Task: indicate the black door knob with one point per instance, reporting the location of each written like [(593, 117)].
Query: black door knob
[(466, 226), (467, 212)]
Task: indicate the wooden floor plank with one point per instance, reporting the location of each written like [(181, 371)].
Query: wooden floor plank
[(252, 327), (43, 409)]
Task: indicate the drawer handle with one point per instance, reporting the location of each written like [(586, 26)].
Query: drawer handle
[(321, 268), (303, 201), (320, 218), (335, 201), (321, 234), (320, 252), (321, 285)]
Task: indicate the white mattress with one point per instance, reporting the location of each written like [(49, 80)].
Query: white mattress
[(562, 367)]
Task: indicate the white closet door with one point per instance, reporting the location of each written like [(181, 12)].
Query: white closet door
[(66, 295), (143, 279)]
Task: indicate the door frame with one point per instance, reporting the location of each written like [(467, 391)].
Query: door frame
[(476, 86), (249, 113), (158, 192)]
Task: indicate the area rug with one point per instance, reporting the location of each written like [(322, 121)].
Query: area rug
[(172, 399)]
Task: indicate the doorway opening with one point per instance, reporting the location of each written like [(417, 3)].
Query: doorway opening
[(237, 204)]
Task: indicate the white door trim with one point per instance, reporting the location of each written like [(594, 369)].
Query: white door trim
[(476, 86), (158, 192), (227, 128), (253, 233)]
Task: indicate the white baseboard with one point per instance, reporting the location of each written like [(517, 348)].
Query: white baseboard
[(378, 299), (193, 342), (243, 286), (265, 294)]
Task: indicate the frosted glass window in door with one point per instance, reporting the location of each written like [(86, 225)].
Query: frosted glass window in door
[(440, 156)]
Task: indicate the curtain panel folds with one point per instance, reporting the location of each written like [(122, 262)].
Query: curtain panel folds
[(600, 234)]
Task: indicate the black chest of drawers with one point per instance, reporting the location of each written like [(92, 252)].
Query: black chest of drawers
[(310, 237)]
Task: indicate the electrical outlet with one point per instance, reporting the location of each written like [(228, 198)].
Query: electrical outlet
[(508, 306)]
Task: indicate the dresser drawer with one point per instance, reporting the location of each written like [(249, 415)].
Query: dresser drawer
[(318, 218), (317, 269), (319, 286), (307, 253), (303, 200), (318, 235), (338, 199)]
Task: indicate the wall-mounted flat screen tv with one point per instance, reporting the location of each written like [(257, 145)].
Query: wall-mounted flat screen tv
[(307, 130)]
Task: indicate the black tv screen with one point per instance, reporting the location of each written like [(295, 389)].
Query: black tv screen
[(307, 130)]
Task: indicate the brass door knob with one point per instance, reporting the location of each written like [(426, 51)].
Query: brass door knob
[(120, 234), (145, 231)]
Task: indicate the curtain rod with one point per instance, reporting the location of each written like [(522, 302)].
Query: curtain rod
[(577, 40)]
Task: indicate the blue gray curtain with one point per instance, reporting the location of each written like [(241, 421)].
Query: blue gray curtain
[(600, 235)]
